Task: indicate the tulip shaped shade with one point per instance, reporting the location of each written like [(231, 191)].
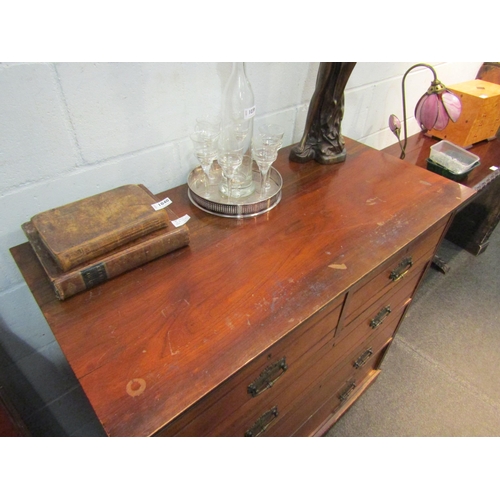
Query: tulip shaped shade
[(434, 109)]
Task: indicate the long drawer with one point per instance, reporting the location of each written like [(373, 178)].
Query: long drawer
[(233, 404), (336, 385), (400, 268)]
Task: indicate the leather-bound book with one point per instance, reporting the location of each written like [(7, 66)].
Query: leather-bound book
[(105, 267), (77, 232)]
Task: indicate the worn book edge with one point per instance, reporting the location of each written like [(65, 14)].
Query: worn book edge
[(104, 243), (102, 269)]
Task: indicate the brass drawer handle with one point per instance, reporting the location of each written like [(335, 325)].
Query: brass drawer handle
[(345, 395), (403, 267), (380, 317), (268, 377), (361, 361), (262, 423)]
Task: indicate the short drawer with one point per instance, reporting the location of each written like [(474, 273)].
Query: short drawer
[(356, 341), (217, 412), (391, 305), (337, 386), (400, 268)]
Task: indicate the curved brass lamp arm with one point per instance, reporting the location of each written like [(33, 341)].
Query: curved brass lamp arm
[(434, 85)]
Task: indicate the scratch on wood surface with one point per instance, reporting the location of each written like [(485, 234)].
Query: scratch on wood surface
[(97, 363), (425, 183), (374, 201), (342, 267), (170, 345)]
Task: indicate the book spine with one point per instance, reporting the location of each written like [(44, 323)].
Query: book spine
[(77, 281)]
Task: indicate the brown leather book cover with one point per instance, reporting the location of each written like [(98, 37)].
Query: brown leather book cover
[(79, 231), (110, 265)]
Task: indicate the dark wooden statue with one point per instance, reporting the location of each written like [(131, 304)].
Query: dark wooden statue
[(322, 140)]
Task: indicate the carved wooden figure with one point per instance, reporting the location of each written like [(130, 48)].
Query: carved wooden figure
[(322, 139)]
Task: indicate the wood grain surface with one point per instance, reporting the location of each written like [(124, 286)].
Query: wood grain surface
[(147, 345)]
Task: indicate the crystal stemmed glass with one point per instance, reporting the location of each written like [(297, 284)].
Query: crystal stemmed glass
[(205, 146), (264, 155), (229, 157), (272, 136)]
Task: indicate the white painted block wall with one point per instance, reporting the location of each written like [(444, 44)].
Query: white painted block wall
[(71, 130)]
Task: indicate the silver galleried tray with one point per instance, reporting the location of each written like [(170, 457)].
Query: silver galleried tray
[(215, 202)]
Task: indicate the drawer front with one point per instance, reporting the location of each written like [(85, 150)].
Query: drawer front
[(278, 366), (400, 268), (354, 351), (384, 309), (336, 386), (356, 341), (362, 343), (255, 415), (365, 336), (331, 410)]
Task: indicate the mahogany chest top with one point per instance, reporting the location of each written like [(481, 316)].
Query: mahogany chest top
[(149, 344)]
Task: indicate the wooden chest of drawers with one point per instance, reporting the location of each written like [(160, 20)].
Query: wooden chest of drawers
[(269, 326)]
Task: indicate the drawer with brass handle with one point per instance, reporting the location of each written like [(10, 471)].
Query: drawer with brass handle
[(387, 308), (353, 351), (293, 384), (400, 268), (327, 359), (251, 384), (262, 423), (341, 380)]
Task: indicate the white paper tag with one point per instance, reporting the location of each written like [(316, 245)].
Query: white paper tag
[(162, 204), (181, 220), (249, 113)]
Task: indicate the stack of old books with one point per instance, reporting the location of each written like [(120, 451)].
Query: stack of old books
[(87, 242)]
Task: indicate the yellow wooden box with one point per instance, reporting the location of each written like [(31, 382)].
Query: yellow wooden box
[(480, 117)]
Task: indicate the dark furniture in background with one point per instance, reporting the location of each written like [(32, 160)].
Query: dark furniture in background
[(473, 225), (11, 424), (272, 325)]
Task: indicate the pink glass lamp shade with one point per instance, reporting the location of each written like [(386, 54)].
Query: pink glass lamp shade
[(434, 109)]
